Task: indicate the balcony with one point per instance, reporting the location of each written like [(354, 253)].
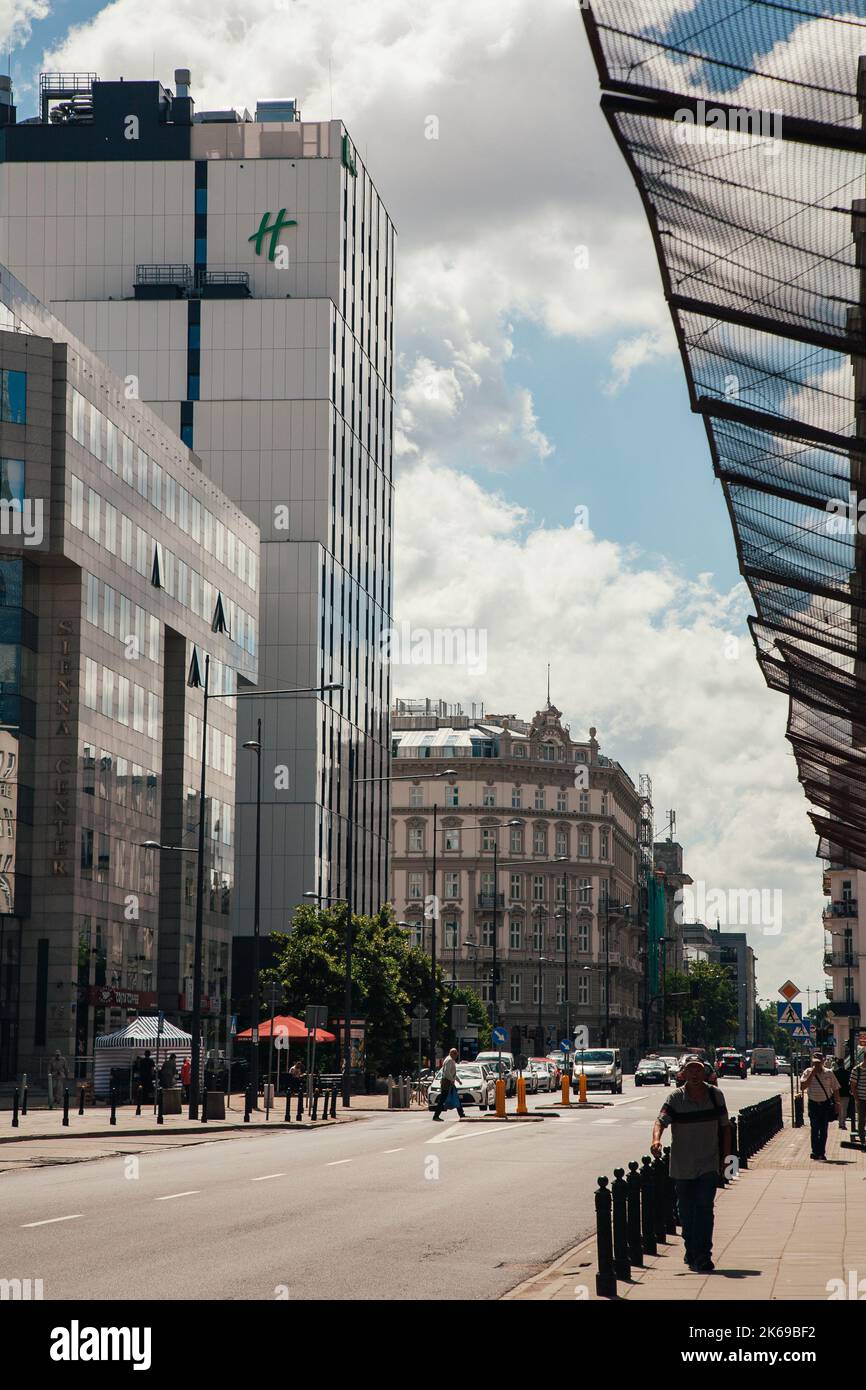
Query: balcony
[(846, 908), (162, 281), (487, 901), (838, 960), (844, 1008)]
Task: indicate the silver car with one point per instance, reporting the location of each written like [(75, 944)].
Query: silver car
[(476, 1085)]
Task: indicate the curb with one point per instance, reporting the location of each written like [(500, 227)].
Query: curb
[(212, 1127), (583, 1247)]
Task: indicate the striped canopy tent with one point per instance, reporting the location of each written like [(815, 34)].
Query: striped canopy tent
[(120, 1049), (286, 1026)]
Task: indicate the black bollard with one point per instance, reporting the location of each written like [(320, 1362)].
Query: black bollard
[(670, 1195), (314, 1114), (647, 1216), (113, 1117), (605, 1279), (66, 1105), (619, 1193), (798, 1112), (81, 1100), (160, 1117), (333, 1102), (659, 1202), (24, 1100), (635, 1248), (300, 1114), (247, 1106), (288, 1119), (203, 1115), (15, 1108), (736, 1146), (138, 1103)]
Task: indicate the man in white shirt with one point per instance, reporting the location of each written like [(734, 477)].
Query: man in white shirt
[(448, 1085), (822, 1089)]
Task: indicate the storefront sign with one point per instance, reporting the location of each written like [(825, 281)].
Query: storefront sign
[(104, 996)]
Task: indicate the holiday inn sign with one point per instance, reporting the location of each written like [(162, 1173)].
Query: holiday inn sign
[(271, 229)]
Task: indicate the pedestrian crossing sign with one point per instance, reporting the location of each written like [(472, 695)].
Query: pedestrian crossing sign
[(789, 1015)]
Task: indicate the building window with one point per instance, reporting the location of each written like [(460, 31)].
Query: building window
[(93, 513), (539, 798), (78, 425), (86, 853), (487, 933), (516, 887), (583, 803), (562, 802), (110, 528), (516, 798), (515, 933), (416, 797), (516, 839), (538, 888), (583, 990), (584, 890), (562, 843), (452, 796), (560, 989), (560, 933), (514, 989), (451, 935), (13, 397), (488, 797), (452, 885), (452, 839), (416, 885), (603, 843), (92, 604), (583, 936), (604, 804), (76, 512), (488, 839), (122, 700), (539, 930), (488, 884), (537, 988), (584, 842), (416, 838), (91, 671), (108, 692), (539, 841)]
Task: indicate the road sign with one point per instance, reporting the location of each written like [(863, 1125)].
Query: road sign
[(315, 1016), (789, 1015), (234, 1028), (789, 990), (565, 1045), (500, 1036), (581, 1037), (459, 1017), (801, 1032)]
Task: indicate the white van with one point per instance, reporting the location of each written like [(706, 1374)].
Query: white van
[(764, 1060), (509, 1075), (602, 1067)]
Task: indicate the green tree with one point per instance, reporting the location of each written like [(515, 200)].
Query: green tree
[(390, 978), (703, 997)]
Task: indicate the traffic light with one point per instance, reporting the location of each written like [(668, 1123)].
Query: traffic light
[(539, 1042), (516, 1039)]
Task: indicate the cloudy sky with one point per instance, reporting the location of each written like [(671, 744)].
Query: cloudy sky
[(554, 495)]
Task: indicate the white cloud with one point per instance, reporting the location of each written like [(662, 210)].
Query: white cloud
[(16, 20), (661, 665)]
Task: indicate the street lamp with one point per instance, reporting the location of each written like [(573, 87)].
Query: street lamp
[(194, 681), (255, 746), (541, 960)]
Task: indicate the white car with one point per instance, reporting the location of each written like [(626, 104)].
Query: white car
[(543, 1072), (509, 1075), (476, 1085)]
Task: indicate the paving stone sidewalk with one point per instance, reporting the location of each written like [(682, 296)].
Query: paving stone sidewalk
[(785, 1229)]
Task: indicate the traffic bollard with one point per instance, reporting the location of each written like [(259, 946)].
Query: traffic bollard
[(605, 1279), (314, 1113), (619, 1195), (160, 1117), (647, 1216), (659, 1202), (113, 1116), (521, 1096), (66, 1105), (566, 1089), (333, 1102), (203, 1115), (81, 1100), (736, 1146), (138, 1100), (500, 1099), (24, 1099), (247, 1106), (288, 1119), (798, 1112), (581, 1083), (15, 1108), (635, 1247), (300, 1114)]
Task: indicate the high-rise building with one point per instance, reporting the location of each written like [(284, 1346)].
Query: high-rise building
[(530, 842), (123, 569), (238, 273)]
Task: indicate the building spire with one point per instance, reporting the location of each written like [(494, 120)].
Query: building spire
[(548, 685)]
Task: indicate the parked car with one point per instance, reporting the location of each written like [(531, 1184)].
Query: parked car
[(476, 1085), (710, 1075), (602, 1067), (732, 1064), (783, 1066), (559, 1062), (509, 1075), (652, 1071), (543, 1072)]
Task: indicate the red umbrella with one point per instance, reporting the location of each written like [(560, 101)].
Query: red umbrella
[(285, 1026)]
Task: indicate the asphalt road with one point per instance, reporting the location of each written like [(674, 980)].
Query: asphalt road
[(388, 1207)]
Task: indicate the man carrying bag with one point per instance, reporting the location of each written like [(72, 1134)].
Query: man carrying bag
[(822, 1090), (449, 1096)]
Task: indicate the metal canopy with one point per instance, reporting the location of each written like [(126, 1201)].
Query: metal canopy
[(742, 126)]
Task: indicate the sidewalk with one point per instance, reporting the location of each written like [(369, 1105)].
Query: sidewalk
[(784, 1229)]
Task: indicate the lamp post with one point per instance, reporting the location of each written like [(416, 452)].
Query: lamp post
[(255, 745), (195, 682), (542, 960)]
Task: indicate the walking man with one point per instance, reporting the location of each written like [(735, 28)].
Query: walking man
[(58, 1075), (700, 1142), (449, 1096), (822, 1088), (857, 1087)]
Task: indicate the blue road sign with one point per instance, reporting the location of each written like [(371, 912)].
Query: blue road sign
[(565, 1045), (500, 1036), (789, 1015)]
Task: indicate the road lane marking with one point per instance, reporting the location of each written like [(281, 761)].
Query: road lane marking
[(467, 1133), (266, 1177), (392, 1151), (51, 1220), (337, 1161), (603, 1120), (193, 1192)]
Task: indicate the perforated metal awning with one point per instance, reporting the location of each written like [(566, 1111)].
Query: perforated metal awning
[(742, 124)]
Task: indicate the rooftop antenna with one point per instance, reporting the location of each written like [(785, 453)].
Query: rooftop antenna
[(548, 685)]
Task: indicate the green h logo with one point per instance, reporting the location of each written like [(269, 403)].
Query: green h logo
[(280, 221)]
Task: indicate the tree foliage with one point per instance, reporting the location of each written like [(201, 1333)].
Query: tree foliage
[(704, 998)]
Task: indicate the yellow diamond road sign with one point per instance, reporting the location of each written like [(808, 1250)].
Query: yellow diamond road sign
[(789, 990)]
